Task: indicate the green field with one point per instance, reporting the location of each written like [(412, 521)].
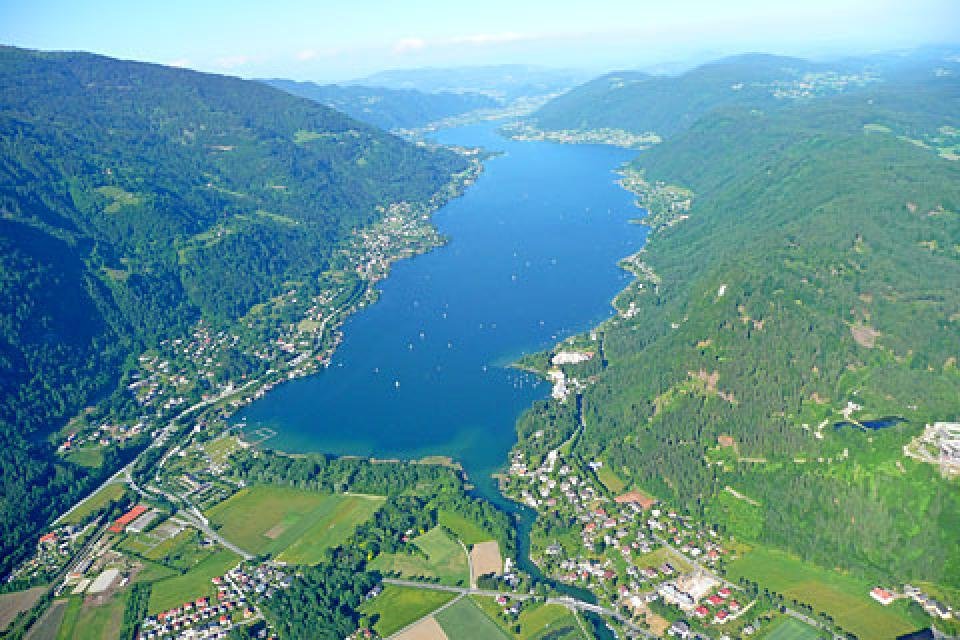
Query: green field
[(444, 559), (549, 621), (329, 527), (295, 523), (655, 559), (97, 501), (610, 479), (466, 621), (47, 627), (843, 597), (536, 621), (92, 622), (182, 551), (221, 448), (464, 529), (397, 607), (172, 592), (791, 629), (90, 457)]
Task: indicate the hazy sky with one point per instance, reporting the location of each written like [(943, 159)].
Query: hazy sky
[(328, 40)]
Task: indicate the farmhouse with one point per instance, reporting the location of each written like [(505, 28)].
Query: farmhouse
[(882, 596), (635, 497)]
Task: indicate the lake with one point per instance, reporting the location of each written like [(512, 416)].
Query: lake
[(531, 259)]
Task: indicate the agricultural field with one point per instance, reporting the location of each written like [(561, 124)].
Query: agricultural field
[(536, 621), (90, 457), (842, 596), (486, 559), (790, 629), (12, 604), (95, 502), (221, 448), (443, 558), (172, 592), (182, 551), (46, 628), (466, 621), (398, 607), (552, 621), (464, 529), (86, 621), (426, 629), (610, 479), (297, 524), (331, 529)]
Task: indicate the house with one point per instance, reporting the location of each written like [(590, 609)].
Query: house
[(715, 600), (721, 616), (48, 538), (882, 596), (645, 502), (701, 611), (121, 522), (680, 629)]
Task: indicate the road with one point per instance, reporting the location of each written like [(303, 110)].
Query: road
[(159, 441), (473, 578)]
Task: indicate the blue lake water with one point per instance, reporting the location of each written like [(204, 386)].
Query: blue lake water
[(531, 259)]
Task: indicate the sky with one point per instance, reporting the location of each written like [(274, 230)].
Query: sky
[(334, 40)]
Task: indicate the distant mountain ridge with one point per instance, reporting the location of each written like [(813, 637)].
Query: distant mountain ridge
[(640, 102), (506, 81), (387, 108)]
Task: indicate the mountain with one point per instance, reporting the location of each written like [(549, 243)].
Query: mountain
[(137, 199), (387, 108), (795, 323), (508, 81), (640, 102)]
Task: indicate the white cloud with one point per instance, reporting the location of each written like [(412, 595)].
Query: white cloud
[(180, 63), (408, 45), (306, 54)]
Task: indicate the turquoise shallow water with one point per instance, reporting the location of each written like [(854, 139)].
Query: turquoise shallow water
[(532, 258)]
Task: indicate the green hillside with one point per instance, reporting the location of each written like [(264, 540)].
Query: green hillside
[(136, 199), (387, 108), (818, 265), (640, 102)]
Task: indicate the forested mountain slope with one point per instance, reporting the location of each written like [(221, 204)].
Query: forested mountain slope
[(136, 199), (387, 108), (818, 265), (640, 102)]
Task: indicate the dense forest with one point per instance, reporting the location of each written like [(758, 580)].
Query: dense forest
[(387, 108), (642, 102), (136, 199), (819, 265), (668, 104)]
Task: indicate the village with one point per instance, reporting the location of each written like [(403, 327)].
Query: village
[(617, 137), (288, 336), (628, 550)]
